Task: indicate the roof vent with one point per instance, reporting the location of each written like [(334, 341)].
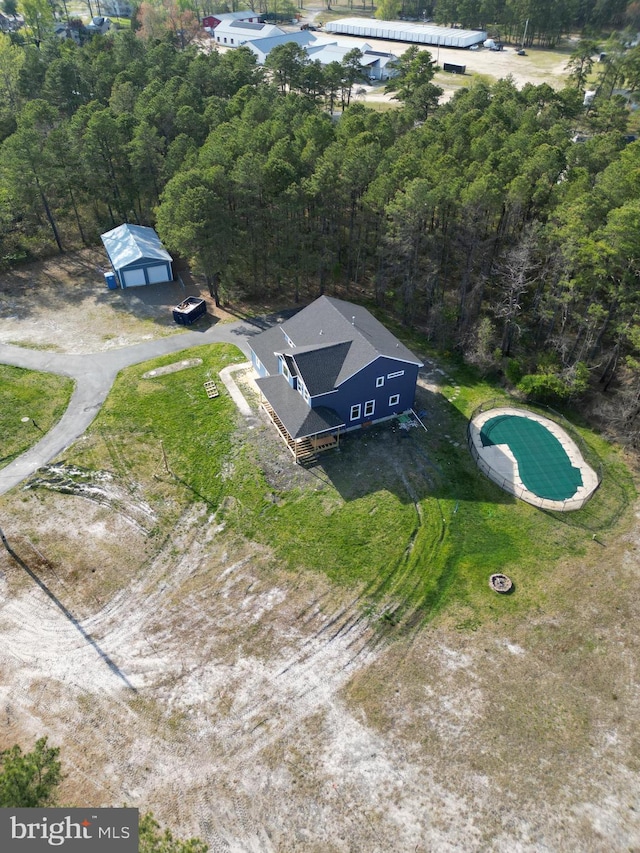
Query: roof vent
[(353, 320), (320, 331)]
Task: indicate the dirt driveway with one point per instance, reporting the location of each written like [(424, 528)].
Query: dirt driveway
[(537, 67), (64, 305)]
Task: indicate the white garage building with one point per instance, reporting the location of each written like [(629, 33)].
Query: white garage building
[(137, 255), (402, 31)]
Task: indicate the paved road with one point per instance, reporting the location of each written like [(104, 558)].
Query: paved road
[(94, 375)]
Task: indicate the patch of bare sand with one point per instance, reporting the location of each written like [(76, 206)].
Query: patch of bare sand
[(537, 67), (261, 711)]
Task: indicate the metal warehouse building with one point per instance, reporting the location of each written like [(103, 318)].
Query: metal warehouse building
[(401, 31), (137, 255)]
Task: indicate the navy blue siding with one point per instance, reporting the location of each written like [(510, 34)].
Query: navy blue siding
[(361, 388)]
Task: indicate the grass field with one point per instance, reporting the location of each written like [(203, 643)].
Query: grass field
[(404, 518), (40, 397)]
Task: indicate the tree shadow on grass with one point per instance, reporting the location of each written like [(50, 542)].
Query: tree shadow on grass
[(434, 471), (413, 464), (67, 613)]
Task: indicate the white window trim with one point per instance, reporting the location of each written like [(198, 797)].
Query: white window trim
[(394, 375), (394, 399), (369, 408), (390, 358), (379, 381), (357, 407)]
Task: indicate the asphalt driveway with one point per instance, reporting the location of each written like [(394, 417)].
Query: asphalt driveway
[(94, 375)]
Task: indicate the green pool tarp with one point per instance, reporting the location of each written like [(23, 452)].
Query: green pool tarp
[(544, 467)]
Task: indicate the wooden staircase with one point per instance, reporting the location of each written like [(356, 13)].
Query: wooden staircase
[(303, 451)]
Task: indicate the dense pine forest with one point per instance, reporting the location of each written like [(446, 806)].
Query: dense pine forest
[(481, 222), (547, 20)]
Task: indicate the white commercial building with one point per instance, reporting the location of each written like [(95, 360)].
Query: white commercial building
[(262, 47), (402, 31), (237, 33), (378, 65)]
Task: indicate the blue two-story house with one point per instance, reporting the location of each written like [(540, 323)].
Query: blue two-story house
[(331, 368)]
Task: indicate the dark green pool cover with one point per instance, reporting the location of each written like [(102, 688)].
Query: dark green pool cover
[(544, 467)]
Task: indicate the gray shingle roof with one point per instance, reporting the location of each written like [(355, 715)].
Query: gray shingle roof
[(266, 45), (334, 321), (333, 339), (299, 420), (320, 366), (324, 344), (267, 344)]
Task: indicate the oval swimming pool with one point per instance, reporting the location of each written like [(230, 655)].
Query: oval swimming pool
[(543, 464)]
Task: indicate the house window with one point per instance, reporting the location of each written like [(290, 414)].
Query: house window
[(393, 375), (285, 370), (379, 381), (394, 399), (225, 40), (355, 412), (369, 408)]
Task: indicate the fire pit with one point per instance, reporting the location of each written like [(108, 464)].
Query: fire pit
[(500, 583)]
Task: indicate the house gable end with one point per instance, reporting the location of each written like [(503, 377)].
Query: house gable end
[(414, 366), (320, 368)]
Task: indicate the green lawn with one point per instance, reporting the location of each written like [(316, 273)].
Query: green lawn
[(40, 397), (402, 517)]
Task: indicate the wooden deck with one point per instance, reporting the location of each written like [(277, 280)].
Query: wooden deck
[(305, 450)]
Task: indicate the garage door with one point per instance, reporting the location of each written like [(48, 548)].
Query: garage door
[(157, 273), (133, 278)]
